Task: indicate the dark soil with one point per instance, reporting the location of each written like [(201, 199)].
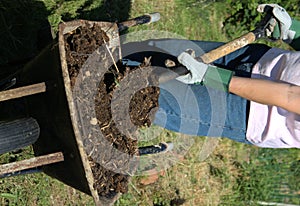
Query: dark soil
[(79, 45)]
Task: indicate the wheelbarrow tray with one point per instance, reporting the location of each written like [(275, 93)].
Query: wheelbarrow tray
[(112, 31)]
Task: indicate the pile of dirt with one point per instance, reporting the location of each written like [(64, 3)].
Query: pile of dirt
[(79, 45)]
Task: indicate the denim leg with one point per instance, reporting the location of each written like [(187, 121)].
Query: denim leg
[(197, 110), (201, 111)]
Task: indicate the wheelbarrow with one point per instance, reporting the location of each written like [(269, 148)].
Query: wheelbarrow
[(56, 111), (44, 86)]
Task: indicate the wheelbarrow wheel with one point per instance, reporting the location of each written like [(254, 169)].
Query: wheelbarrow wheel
[(18, 133)]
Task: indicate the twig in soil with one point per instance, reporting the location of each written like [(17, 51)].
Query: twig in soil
[(91, 152), (115, 64), (106, 126)]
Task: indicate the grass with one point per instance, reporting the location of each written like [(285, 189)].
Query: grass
[(38, 188), (190, 19), (234, 174)]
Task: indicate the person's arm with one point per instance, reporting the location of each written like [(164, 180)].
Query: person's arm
[(284, 95)]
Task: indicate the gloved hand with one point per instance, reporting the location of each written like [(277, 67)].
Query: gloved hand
[(283, 20), (197, 69), (208, 75)]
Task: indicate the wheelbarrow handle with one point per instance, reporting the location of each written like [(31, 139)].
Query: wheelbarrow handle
[(145, 19)]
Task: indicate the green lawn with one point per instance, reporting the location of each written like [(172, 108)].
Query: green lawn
[(234, 174)]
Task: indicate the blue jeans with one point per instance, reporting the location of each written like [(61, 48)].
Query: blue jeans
[(196, 109)]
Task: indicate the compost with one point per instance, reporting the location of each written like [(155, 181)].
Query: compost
[(79, 44)]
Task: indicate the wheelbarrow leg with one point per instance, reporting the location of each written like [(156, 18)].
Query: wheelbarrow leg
[(22, 91), (29, 165)]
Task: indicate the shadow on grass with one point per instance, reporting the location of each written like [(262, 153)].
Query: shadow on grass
[(25, 30), (21, 22)]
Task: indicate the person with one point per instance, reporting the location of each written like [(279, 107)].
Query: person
[(255, 100)]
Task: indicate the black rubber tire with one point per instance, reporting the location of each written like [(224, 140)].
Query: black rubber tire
[(18, 133)]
